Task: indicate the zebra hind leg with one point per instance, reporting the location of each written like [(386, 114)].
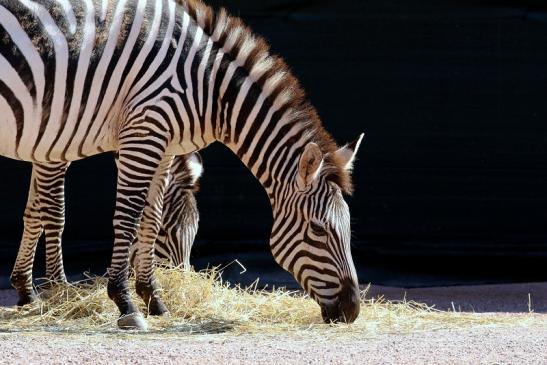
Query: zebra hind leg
[(21, 276)]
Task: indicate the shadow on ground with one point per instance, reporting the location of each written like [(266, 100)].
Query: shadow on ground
[(209, 327)]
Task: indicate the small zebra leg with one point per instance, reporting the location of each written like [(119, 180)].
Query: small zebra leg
[(146, 284), (138, 162), (21, 276), (51, 189)]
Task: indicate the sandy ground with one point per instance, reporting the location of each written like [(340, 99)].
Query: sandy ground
[(475, 346), (480, 345)]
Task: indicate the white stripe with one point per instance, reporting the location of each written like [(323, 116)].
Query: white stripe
[(137, 94), (152, 68), (146, 49), (100, 73), (25, 45), (258, 135), (201, 74), (190, 87), (294, 131), (241, 96), (250, 120), (111, 93), (104, 10), (69, 14), (310, 272), (61, 65), (86, 49), (212, 81), (12, 79), (178, 51), (232, 67)]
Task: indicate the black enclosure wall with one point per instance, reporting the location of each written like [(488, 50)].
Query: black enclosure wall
[(451, 181)]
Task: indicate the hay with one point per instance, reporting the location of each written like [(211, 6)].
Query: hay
[(200, 302)]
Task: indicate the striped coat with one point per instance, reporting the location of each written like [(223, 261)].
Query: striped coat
[(45, 214), (156, 78)]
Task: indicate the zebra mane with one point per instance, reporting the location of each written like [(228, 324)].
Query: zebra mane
[(271, 73)]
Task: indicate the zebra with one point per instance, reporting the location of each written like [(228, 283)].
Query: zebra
[(45, 212), (170, 77), (180, 216)]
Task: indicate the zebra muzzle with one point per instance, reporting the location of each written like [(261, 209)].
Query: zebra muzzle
[(346, 309)]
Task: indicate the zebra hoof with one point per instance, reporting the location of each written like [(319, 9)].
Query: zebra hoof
[(132, 322), (157, 308), (26, 298)]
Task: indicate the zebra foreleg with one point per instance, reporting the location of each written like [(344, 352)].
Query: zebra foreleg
[(146, 285), (139, 160), (45, 211)]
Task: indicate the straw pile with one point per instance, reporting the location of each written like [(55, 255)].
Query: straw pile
[(203, 303)]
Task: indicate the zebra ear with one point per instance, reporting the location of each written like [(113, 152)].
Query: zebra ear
[(309, 165), (347, 153), (194, 164)]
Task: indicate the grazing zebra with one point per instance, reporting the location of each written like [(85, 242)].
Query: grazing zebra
[(180, 216), (45, 212), (153, 79)]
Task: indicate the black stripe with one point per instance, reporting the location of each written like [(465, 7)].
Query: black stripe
[(16, 107), (98, 49), (217, 116), (255, 126), (11, 52), (74, 56), (123, 35), (274, 143), (150, 58), (207, 78)]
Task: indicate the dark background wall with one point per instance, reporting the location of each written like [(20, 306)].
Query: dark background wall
[(451, 182)]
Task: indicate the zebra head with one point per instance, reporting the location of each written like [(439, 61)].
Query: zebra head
[(311, 232)]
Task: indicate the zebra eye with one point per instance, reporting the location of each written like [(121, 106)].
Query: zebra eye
[(317, 229)]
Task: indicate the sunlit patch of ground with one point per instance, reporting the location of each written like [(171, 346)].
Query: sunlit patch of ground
[(201, 303)]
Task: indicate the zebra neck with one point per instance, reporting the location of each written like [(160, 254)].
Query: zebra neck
[(265, 136), (243, 96)]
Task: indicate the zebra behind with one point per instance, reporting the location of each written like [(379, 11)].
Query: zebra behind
[(45, 213), (152, 79)]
